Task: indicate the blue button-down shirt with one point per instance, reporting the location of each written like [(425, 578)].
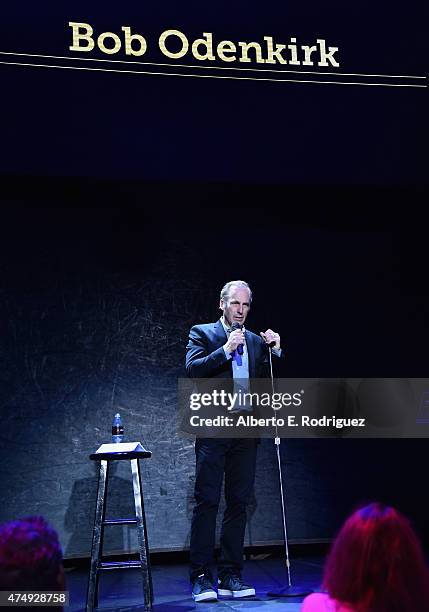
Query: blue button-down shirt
[(240, 373)]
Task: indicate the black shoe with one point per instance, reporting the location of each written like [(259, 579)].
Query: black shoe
[(203, 590), (233, 586)]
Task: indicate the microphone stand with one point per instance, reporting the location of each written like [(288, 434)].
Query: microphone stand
[(289, 590)]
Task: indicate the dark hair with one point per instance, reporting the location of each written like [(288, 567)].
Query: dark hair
[(376, 563), (30, 556)]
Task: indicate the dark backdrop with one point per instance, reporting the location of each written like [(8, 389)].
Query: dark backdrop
[(148, 193), (96, 305), (81, 123)]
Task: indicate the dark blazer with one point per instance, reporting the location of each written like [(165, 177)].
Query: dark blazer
[(205, 357)]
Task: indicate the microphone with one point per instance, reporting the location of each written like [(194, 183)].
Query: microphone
[(236, 325)]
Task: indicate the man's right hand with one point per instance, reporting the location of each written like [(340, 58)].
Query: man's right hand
[(235, 338)]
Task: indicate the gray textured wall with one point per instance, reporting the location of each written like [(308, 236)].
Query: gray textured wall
[(84, 336)]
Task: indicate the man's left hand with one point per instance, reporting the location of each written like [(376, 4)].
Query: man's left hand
[(271, 336)]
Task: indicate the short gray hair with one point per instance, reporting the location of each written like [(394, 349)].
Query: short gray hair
[(237, 283)]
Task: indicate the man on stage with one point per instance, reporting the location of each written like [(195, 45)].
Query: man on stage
[(213, 350)]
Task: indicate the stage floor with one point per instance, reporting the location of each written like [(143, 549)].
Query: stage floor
[(122, 590)]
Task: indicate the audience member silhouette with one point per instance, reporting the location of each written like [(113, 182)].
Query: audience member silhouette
[(376, 564), (30, 557)]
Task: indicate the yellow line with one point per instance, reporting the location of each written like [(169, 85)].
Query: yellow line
[(89, 59), (212, 76)]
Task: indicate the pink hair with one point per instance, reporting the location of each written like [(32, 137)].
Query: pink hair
[(376, 563)]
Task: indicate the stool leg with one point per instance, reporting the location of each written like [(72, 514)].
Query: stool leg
[(97, 536), (142, 535)]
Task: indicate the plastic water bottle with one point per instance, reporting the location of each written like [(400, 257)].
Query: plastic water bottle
[(117, 429)]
